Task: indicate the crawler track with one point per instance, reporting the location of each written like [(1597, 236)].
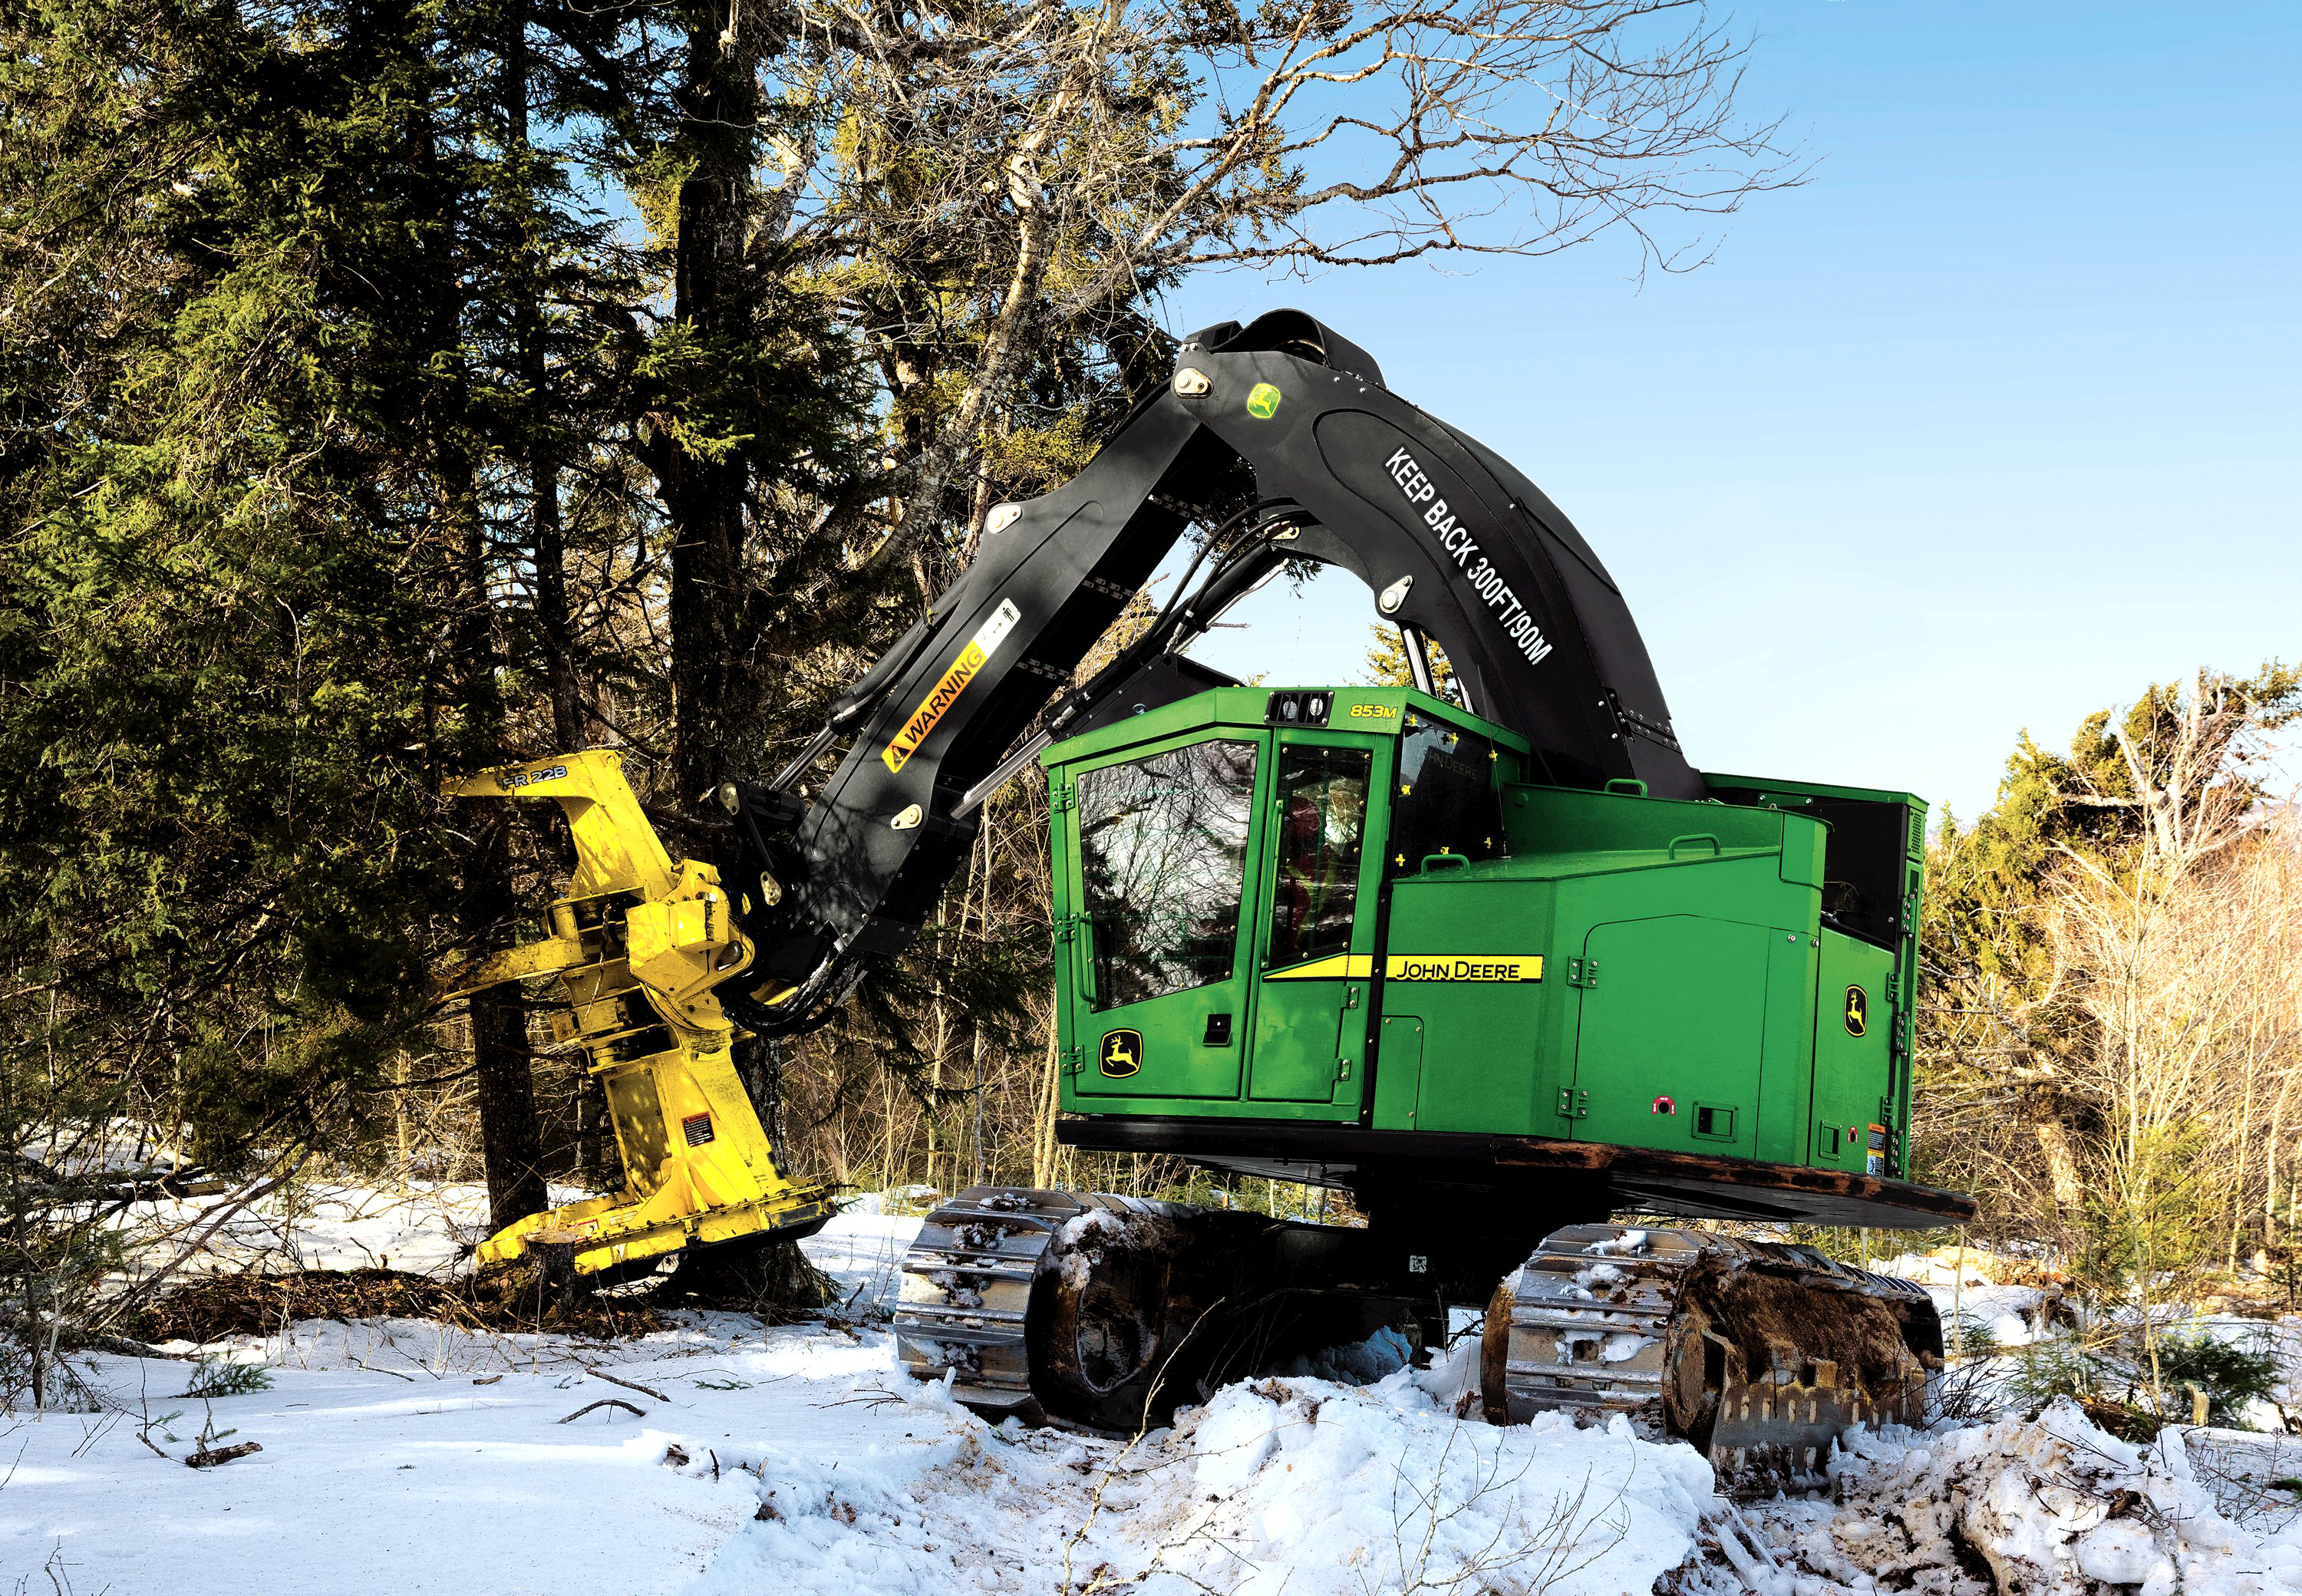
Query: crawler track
[(1107, 1311), (1760, 1352)]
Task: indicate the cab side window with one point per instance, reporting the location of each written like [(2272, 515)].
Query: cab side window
[(1445, 800), (1162, 861), (1321, 803)]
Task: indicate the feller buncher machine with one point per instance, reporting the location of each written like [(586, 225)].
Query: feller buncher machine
[(1501, 965)]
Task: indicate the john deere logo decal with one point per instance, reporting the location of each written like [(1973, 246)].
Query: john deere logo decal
[(1262, 401), (1123, 1052), (1858, 1012)]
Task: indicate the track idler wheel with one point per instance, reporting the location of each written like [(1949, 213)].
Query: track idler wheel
[(1096, 1310), (1118, 1334), (1111, 1312)]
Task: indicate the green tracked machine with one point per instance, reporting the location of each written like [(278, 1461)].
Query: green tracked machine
[(1501, 965)]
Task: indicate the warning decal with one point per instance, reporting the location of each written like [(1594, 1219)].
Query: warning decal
[(946, 692)]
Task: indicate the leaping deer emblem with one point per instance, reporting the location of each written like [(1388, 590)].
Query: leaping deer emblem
[(1123, 1052)]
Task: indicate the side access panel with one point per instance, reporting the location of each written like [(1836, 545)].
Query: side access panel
[(1672, 1035), (1399, 1072)]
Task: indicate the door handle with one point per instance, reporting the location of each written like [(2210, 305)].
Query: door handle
[(1218, 1032)]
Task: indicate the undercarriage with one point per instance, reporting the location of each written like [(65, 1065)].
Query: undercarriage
[(1110, 1313)]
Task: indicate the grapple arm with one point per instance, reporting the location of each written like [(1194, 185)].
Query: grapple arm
[(637, 945)]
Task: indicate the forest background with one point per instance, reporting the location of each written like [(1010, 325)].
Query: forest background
[(390, 390)]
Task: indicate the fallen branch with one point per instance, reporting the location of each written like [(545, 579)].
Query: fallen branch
[(605, 1402), (372, 1369), (205, 1459), (629, 1385)]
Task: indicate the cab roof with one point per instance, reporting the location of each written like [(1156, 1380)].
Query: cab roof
[(1385, 712)]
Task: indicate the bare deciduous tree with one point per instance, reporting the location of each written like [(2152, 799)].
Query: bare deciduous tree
[(994, 176)]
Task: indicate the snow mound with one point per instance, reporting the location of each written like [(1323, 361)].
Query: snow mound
[(2053, 1507), (1310, 1488), (1300, 1485)]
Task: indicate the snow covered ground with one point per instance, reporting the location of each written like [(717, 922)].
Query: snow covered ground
[(409, 1456), (401, 1456)]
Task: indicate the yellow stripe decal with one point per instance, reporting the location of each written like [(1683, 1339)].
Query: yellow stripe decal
[(1342, 967), (946, 692), (1463, 966)]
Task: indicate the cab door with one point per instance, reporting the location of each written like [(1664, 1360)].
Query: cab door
[(1319, 882), (1853, 1056), (1163, 849)]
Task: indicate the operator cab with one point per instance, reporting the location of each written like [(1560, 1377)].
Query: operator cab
[(1346, 908), (1220, 875)]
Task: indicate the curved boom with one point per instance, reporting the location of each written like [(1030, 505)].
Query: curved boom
[(1281, 436)]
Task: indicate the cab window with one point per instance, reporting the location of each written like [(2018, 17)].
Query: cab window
[(1444, 801), (1163, 860), (1322, 800)]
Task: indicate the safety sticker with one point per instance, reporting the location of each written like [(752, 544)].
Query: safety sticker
[(1474, 967), (1452, 533), (946, 692)]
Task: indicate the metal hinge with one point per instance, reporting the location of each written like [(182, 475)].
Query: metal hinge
[(1074, 1059), (1062, 799), (1582, 972), (1574, 1104), (1066, 925)]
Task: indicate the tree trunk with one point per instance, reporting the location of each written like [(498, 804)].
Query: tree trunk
[(554, 623), (760, 1066), (511, 1145), (2061, 1168), (705, 498)]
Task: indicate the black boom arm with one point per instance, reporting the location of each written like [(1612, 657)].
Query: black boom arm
[(1282, 439)]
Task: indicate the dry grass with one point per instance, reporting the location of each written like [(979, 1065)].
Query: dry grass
[(506, 1299)]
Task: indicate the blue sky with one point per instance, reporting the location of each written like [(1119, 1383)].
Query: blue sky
[(1992, 422)]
